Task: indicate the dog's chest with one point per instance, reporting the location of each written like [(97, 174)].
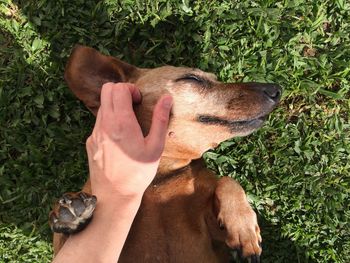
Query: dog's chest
[(171, 219)]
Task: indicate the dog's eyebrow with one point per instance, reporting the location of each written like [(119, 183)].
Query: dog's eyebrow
[(204, 82)]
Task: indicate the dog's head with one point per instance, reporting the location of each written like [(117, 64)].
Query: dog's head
[(205, 111)]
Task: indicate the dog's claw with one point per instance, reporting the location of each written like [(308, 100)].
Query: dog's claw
[(72, 212), (254, 259), (237, 256)]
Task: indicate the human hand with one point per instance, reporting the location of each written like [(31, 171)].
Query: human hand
[(122, 161)]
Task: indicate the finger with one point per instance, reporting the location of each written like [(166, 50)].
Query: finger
[(135, 93), (105, 110), (106, 97), (106, 106), (123, 95), (155, 140), (98, 117)]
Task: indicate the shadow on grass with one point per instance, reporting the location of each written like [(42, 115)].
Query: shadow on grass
[(46, 154)]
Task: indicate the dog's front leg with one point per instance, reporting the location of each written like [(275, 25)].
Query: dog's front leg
[(236, 219)]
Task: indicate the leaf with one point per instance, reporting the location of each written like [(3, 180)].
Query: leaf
[(36, 20), (37, 44), (185, 7), (39, 100), (329, 93)]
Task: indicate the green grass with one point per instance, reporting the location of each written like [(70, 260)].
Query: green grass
[(296, 169), (17, 247)]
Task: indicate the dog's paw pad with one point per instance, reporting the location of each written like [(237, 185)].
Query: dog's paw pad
[(72, 212)]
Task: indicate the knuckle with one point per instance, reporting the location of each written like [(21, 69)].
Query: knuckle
[(250, 215), (108, 85), (257, 229), (120, 88), (113, 132), (234, 244), (245, 239), (233, 241), (124, 115), (91, 143), (160, 117), (248, 251), (250, 244), (122, 84), (129, 86)]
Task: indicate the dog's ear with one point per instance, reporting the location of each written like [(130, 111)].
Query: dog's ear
[(87, 70)]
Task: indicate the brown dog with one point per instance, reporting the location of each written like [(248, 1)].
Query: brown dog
[(187, 214)]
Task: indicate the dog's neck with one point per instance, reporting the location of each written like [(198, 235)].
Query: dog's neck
[(170, 167)]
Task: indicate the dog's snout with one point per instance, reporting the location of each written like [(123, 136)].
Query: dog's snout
[(273, 91)]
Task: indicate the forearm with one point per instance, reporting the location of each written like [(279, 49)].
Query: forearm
[(103, 239)]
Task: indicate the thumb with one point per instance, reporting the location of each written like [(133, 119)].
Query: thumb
[(155, 139)]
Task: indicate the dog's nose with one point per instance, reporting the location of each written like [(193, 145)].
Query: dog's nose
[(273, 91)]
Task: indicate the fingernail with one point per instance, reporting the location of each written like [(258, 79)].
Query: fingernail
[(167, 102)]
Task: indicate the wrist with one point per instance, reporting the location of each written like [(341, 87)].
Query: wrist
[(114, 202)]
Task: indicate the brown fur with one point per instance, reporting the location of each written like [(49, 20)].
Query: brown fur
[(187, 214)]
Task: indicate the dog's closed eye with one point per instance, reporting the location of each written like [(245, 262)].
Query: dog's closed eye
[(195, 79)]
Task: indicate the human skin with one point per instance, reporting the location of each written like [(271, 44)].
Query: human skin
[(122, 163)]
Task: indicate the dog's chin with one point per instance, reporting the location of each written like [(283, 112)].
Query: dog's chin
[(244, 128)]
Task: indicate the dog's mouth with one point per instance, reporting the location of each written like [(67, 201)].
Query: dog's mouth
[(234, 126)]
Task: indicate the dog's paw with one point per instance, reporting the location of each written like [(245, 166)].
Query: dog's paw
[(242, 232), (72, 212)]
